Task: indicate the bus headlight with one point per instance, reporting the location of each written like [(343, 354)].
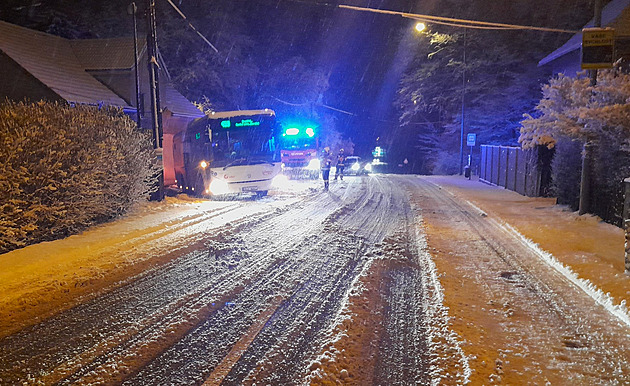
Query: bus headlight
[(313, 165), (355, 167), (218, 186), (368, 167)]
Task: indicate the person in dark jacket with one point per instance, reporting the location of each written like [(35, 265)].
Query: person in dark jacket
[(341, 164), (326, 172)]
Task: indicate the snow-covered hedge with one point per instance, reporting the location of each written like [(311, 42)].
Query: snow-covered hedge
[(65, 168)]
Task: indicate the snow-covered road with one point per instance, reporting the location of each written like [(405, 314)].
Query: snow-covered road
[(252, 301), (310, 287)]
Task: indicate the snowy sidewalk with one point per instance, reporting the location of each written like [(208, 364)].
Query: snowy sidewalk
[(594, 250)]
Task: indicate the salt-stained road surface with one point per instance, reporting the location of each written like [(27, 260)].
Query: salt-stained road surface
[(267, 292)]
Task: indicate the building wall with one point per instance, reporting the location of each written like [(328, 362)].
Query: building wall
[(622, 23), (173, 152)]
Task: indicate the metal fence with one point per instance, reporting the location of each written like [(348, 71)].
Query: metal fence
[(513, 168)]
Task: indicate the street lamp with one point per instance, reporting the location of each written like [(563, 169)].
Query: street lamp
[(420, 26)]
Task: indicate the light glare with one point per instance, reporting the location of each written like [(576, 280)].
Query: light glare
[(218, 186), (292, 131)]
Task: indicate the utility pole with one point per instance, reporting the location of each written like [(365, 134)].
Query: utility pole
[(133, 10), (585, 178), (461, 134), (156, 114)]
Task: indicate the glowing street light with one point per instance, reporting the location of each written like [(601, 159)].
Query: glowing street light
[(420, 26)]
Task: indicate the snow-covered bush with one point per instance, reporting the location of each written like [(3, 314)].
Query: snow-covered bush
[(600, 115), (65, 168), (566, 168)]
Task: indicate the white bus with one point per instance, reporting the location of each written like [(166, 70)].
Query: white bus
[(230, 152)]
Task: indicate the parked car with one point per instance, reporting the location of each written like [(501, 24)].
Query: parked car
[(354, 166)]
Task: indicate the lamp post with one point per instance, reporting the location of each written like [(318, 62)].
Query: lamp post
[(461, 134), (420, 27)]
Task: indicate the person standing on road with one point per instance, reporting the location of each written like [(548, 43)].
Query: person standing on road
[(326, 172), (341, 164)]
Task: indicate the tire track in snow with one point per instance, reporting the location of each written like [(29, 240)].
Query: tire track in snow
[(34, 351), (179, 322), (303, 265), (591, 344)]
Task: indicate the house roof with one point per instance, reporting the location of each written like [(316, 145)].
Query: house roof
[(176, 103), (64, 66), (106, 54), (610, 13), (53, 62)]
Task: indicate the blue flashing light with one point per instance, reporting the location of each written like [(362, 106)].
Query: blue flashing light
[(292, 131)]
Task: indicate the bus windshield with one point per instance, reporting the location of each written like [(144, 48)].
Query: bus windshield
[(242, 140)]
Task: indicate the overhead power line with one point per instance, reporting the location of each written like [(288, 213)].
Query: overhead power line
[(457, 22), (192, 26), (350, 113), (314, 104)]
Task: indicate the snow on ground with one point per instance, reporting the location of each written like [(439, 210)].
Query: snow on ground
[(50, 276), (441, 337), (537, 299), (45, 277), (591, 248)]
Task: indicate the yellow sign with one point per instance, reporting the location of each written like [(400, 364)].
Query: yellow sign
[(598, 48), (598, 37)]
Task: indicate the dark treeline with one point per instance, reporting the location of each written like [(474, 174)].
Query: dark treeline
[(302, 57)]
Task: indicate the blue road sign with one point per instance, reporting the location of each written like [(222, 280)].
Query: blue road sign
[(471, 138)]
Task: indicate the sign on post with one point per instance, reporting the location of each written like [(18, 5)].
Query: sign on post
[(471, 138), (598, 48)]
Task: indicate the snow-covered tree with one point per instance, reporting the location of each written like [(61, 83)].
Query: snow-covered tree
[(65, 168), (500, 85), (574, 110)]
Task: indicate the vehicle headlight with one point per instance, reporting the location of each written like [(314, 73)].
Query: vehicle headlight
[(218, 186), (314, 164), (355, 167), (368, 167)]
